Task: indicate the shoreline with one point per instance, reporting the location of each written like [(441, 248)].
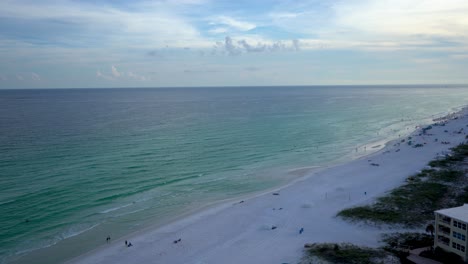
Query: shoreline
[(227, 213)]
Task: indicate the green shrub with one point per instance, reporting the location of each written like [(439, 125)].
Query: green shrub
[(346, 253), (409, 204)]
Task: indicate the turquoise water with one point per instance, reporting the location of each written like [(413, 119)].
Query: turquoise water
[(89, 162)]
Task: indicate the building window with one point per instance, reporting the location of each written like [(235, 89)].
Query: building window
[(446, 219), (458, 247), (459, 236), (459, 225)]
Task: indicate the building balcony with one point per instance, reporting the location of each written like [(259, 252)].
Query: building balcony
[(445, 221), (443, 230), (443, 240)]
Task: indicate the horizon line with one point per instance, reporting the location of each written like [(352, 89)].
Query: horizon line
[(239, 86)]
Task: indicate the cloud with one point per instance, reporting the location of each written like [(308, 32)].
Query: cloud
[(230, 47), (136, 76), (157, 24), (73, 23), (103, 76), (235, 48), (35, 76), (372, 25), (284, 15), (128, 37), (295, 43), (233, 23), (407, 18), (115, 72), (21, 77), (218, 30), (252, 48)]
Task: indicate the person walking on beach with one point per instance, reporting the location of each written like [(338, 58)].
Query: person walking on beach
[(126, 243)]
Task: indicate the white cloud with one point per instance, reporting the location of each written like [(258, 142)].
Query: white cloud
[(115, 72), (172, 23), (218, 30), (19, 77), (104, 76), (402, 17), (284, 15), (136, 76), (145, 24), (35, 76), (368, 24), (296, 44), (233, 23)]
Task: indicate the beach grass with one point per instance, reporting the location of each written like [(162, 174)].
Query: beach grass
[(396, 246), (413, 203), (459, 153), (399, 205), (396, 242), (344, 253)]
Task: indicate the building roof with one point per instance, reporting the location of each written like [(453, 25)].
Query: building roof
[(460, 212)]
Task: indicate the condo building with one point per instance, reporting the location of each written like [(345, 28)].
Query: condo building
[(451, 230)]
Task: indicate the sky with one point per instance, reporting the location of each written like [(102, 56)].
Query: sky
[(171, 43)]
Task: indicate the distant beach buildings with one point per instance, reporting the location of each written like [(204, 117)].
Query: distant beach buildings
[(451, 230)]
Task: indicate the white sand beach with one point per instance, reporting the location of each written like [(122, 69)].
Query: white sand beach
[(265, 228)]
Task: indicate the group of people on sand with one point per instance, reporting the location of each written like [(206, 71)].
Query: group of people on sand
[(127, 244)]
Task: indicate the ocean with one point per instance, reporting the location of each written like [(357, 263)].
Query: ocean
[(77, 165)]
